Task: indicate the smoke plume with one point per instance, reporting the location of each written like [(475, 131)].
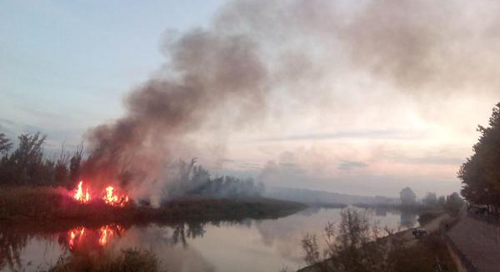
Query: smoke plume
[(259, 56)]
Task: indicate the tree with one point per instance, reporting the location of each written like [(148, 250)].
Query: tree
[(407, 196), (352, 246), (27, 164), (480, 174), (61, 172), (27, 159), (442, 201), (5, 144), (454, 203), (75, 163), (430, 200)]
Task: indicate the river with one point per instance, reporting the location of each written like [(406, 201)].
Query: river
[(249, 245)]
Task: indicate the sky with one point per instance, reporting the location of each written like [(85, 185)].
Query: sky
[(348, 115), (67, 65)]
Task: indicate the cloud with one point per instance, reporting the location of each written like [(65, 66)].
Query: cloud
[(349, 165), (435, 160), (359, 134)]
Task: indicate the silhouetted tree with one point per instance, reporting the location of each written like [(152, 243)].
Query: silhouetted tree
[(27, 164), (61, 171), (454, 203), (442, 201), (75, 163), (195, 180), (480, 174), (5, 144), (407, 196), (430, 200), (27, 160)]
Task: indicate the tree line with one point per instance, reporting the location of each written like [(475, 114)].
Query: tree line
[(28, 165), (480, 174), (193, 179), (451, 203)]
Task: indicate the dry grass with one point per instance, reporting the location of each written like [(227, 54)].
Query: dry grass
[(424, 256), (47, 205)]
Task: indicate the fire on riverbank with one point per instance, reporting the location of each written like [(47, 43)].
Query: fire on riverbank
[(110, 195)]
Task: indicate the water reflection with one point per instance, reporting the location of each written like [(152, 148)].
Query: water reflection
[(86, 239), (11, 243), (81, 240), (190, 230), (380, 212), (247, 245), (408, 219)]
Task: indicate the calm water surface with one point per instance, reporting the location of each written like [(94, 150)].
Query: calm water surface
[(250, 245)]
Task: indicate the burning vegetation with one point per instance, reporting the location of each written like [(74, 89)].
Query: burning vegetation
[(109, 195), (79, 196)]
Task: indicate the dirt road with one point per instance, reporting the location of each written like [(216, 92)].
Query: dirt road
[(431, 226)]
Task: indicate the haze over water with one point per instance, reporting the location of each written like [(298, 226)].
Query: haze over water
[(250, 245)]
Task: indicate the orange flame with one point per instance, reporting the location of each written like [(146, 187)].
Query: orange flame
[(110, 196), (79, 194), (114, 200)]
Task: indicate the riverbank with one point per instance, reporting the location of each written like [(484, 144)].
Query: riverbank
[(226, 245), (406, 253), (54, 206)]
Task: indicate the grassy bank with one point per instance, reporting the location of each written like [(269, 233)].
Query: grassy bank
[(425, 255), (428, 216), (355, 244), (46, 205)]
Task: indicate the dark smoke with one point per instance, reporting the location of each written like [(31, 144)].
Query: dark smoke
[(208, 73), (257, 54)]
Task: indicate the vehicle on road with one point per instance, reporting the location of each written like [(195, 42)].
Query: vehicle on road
[(419, 232)]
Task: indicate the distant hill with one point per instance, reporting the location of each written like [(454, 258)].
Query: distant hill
[(325, 198)]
